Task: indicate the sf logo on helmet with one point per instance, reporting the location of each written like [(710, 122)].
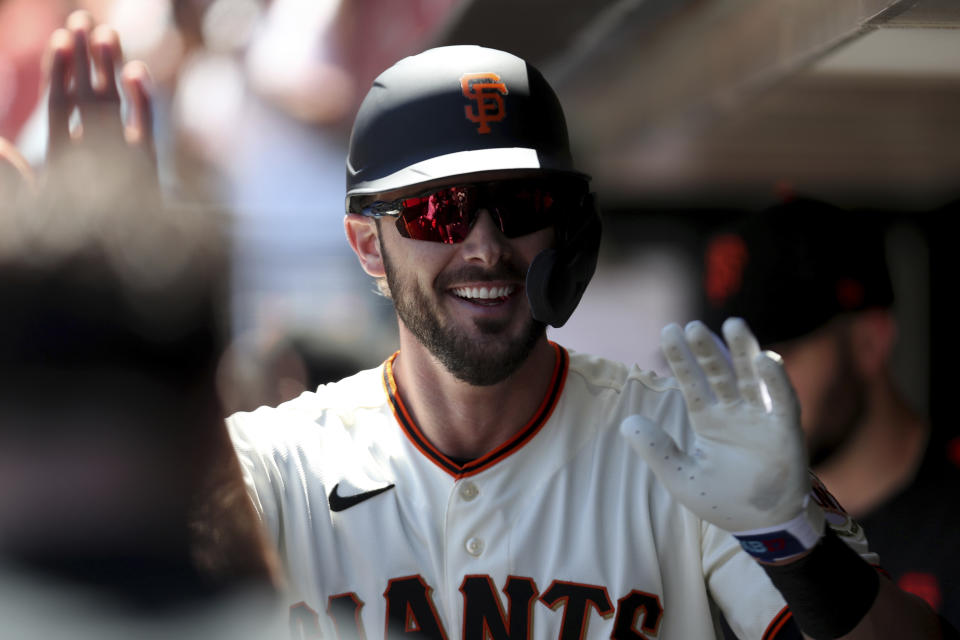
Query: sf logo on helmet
[(487, 90)]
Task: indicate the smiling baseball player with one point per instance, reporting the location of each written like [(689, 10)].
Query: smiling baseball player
[(486, 483)]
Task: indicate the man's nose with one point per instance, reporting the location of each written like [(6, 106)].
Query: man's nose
[(485, 242)]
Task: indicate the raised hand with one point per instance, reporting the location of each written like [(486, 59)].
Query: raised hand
[(16, 174), (83, 63), (743, 466)]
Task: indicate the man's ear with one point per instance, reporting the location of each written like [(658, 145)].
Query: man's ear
[(873, 335), (365, 242)]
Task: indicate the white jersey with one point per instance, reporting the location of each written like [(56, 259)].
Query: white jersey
[(562, 532)]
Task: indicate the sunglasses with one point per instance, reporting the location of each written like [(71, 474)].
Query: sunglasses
[(447, 214)]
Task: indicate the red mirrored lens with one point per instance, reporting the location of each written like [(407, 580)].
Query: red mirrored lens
[(518, 207), (446, 215), (526, 208)]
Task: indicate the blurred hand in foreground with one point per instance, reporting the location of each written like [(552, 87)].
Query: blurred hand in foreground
[(97, 149)]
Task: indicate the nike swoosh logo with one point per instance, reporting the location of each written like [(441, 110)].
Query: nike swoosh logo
[(339, 502)]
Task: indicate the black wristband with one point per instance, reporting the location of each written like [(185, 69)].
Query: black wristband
[(829, 590)]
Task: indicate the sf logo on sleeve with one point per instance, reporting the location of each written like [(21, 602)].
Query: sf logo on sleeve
[(487, 91)]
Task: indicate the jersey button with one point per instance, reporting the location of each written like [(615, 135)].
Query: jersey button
[(468, 491), (474, 546)]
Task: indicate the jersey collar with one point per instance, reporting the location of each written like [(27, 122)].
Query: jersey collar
[(524, 435)]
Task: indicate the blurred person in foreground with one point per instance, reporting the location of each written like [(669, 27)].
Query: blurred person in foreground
[(814, 283), (111, 438)]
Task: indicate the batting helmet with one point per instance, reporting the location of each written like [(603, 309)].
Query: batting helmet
[(465, 111)]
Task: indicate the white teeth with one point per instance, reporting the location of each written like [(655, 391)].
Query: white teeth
[(484, 293)]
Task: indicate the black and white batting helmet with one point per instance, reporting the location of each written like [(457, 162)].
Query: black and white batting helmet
[(466, 111)]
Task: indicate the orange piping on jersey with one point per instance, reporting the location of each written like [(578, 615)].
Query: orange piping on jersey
[(540, 417), (396, 404), (407, 424), (882, 571), (777, 624), (524, 435)]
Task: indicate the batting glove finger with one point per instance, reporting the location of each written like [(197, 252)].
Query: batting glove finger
[(744, 350), (740, 462)]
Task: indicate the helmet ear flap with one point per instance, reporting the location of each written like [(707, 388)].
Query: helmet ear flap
[(539, 276), (557, 278)]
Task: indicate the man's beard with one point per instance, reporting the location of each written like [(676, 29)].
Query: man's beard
[(842, 408), (479, 362)]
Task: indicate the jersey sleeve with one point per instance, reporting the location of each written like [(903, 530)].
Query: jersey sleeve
[(261, 474), (751, 605)]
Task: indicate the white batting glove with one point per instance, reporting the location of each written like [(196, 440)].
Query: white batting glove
[(744, 468)]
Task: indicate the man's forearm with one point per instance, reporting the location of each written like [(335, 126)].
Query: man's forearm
[(896, 614), (833, 593), (828, 587)]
